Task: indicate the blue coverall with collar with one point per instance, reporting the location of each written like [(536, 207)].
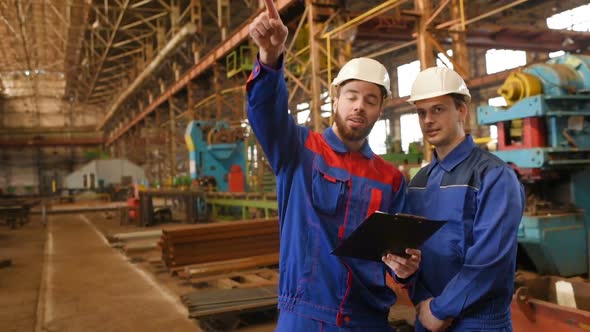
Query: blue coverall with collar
[(324, 192), (468, 266)]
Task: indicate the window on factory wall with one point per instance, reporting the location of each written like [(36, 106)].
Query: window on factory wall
[(302, 113), (302, 116), (556, 54), (576, 19), (378, 136), (497, 102), (325, 109), (406, 74), (411, 131), (442, 61), (500, 60)]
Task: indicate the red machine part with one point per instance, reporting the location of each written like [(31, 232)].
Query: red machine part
[(527, 174), (530, 314), (533, 135), (236, 179), (133, 207)]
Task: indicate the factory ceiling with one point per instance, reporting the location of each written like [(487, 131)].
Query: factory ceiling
[(39, 45), (88, 52)]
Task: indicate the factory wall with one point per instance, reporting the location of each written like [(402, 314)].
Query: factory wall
[(75, 180), (18, 179), (111, 171), (29, 170), (106, 172)]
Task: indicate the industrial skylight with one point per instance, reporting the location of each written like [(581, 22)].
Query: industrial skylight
[(500, 60), (576, 19)]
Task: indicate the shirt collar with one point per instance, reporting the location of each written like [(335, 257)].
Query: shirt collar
[(337, 145), (455, 157)]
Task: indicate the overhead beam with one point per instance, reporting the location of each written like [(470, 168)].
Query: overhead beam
[(145, 21), (107, 49), (220, 51), (23, 33), (184, 33), (46, 130), (496, 36), (18, 143), (489, 13)]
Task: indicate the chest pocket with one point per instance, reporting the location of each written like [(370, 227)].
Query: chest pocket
[(460, 204), (329, 188)]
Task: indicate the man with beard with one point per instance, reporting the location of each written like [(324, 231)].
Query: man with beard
[(466, 280), (326, 186)]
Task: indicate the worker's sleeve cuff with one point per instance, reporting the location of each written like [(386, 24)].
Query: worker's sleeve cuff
[(405, 282), (260, 68), (439, 312)]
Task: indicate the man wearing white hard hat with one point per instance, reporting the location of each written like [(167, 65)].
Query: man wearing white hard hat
[(465, 282), (327, 184)]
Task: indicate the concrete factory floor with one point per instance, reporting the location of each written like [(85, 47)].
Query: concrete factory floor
[(66, 277)]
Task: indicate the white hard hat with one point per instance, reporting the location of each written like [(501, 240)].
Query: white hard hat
[(438, 81), (364, 69)]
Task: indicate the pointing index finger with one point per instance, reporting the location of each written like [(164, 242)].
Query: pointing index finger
[(272, 10)]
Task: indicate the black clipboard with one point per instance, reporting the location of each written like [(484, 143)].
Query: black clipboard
[(383, 233)]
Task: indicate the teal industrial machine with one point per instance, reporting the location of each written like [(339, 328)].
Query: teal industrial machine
[(217, 155), (544, 134)]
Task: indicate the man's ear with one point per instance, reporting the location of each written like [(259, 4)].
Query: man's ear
[(335, 104), (463, 109)]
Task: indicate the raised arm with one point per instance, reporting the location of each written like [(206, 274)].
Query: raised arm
[(270, 34), (267, 92)]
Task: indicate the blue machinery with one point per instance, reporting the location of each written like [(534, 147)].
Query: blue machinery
[(217, 155), (544, 133)]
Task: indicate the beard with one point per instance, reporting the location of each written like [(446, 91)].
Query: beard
[(352, 134)]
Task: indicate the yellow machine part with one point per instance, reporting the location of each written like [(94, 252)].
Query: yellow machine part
[(516, 128), (189, 143), (519, 85)]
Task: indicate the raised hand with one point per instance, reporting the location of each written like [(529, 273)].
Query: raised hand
[(270, 34)]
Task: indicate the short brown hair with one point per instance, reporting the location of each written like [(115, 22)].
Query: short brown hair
[(458, 99)]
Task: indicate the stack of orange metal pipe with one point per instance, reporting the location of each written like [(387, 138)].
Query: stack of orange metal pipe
[(219, 242)]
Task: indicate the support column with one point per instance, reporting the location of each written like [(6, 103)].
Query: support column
[(395, 127), (190, 99), (315, 102), (460, 55), (223, 17), (159, 152), (174, 17), (160, 38), (172, 142), (217, 87), (197, 18), (425, 53)]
